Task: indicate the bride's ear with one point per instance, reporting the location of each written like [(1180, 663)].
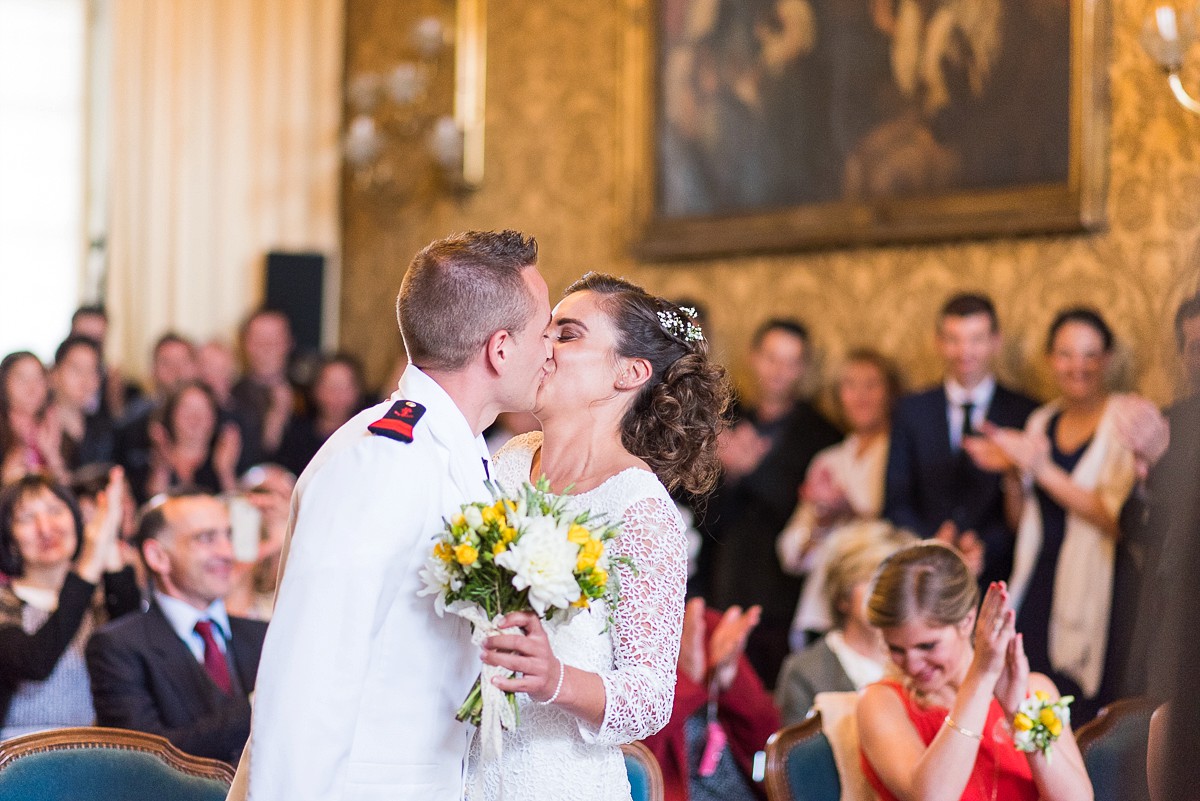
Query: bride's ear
[(633, 373)]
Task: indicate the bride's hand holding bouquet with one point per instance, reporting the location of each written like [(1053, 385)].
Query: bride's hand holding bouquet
[(506, 567)]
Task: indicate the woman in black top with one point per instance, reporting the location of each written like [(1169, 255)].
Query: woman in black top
[(337, 395), (53, 565)]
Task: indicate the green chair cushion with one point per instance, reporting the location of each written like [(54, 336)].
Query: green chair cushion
[(812, 773), (1116, 762), (639, 779), (103, 774)]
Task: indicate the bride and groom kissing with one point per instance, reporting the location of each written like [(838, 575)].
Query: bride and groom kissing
[(360, 679)]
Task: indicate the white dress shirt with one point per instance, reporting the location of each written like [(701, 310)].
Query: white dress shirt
[(957, 396), (183, 618)]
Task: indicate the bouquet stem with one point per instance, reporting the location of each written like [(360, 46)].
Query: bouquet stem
[(471, 710)]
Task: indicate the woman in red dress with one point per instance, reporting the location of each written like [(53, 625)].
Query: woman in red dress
[(942, 732)]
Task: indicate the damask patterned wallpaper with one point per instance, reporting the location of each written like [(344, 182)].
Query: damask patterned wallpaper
[(553, 169)]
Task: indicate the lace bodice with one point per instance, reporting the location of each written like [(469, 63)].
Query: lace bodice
[(552, 755)]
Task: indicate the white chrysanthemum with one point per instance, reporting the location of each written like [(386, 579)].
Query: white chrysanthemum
[(543, 559), (438, 581)]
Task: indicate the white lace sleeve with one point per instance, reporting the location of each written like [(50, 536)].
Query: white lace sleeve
[(647, 625)]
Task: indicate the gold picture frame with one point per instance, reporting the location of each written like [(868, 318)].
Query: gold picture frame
[(1061, 197)]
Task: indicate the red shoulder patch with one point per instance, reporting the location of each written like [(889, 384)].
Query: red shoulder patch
[(399, 421)]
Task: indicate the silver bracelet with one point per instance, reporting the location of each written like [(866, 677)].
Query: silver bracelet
[(965, 732), (562, 671)]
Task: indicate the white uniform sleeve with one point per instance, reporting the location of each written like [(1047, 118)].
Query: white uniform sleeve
[(356, 533)]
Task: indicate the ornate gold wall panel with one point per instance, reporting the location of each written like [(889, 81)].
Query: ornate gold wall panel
[(554, 155)]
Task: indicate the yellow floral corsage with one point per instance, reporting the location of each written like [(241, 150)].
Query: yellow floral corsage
[(1039, 722)]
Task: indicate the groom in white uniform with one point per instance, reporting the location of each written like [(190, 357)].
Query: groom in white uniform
[(359, 679)]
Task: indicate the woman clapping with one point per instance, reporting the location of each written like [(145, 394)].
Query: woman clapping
[(943, 730)]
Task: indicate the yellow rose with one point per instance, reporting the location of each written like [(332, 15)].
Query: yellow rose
[(600, 577), (584, 562), (466, 554), (489, 515), (1048, 718), (458, 521), (593, 548), (1021, 722), (578, 534), (1042, 696), (581, 602), (508, 534), (443, 551), (499, 548), (1055, 728)]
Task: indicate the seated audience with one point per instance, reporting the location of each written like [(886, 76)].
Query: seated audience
[(49, 604), (933, 486), (264, 397), (184, 668), (337, 395), (89, 484), (844, 482), (851, 655), (87, 430), (217, 369), (188, 447), (1071, 474), (942, 729), (722, 715), (30, 436), (268, 488), (173, 366), (91, 321), (764, 457)]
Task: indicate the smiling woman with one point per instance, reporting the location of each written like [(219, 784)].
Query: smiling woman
[(944, 732), (47, 611)]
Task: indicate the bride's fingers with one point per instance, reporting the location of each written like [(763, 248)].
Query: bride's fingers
[(521, 684), (530, 623), (514, 643), (531, 668)]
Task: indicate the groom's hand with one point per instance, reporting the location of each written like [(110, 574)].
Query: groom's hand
[(528, 655)]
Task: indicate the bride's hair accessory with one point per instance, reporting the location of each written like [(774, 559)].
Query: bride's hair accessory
[(681, 324)]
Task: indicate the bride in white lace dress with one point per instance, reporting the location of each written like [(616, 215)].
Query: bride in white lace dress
[(632, 404)]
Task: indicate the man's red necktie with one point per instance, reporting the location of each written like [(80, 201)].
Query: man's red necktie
[(214, 660)]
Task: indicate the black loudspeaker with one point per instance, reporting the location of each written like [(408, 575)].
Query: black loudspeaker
[(296, 287)]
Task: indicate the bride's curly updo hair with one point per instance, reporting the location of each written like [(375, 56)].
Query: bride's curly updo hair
[(674, 421)]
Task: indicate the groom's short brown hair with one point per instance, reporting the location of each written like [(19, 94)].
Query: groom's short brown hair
[(460, 290)]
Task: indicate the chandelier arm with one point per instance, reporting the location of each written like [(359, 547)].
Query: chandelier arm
[(1181, 94)]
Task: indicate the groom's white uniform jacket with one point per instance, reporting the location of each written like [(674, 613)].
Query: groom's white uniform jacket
[(359, 679)]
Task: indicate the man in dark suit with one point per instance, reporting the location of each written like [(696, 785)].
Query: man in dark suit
[(933, 486), (765, 456), (184, 668)]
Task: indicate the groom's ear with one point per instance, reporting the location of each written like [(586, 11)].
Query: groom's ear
[(498, 349), (634, 373)]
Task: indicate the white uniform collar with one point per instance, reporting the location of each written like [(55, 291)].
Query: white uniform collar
[(442, 419)]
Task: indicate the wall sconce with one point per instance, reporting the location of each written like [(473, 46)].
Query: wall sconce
[(401, 139), (1167, 34)]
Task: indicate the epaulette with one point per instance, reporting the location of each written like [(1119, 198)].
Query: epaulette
[(399, 421)]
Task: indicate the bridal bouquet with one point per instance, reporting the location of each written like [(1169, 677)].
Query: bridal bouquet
[(520, 553), (1039, 722)]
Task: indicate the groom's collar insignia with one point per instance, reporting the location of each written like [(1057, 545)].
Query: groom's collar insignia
[(399, 421)]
